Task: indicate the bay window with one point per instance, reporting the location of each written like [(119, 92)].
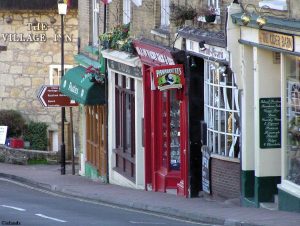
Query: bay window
[(221, 110)]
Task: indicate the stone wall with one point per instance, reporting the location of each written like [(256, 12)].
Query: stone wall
[(25, 63), (24, 156)]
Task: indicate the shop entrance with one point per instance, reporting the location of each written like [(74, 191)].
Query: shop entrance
[(166, 148)]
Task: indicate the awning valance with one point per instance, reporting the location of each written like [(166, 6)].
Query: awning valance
[(78, 87)]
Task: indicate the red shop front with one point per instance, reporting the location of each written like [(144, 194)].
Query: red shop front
[(165, 119)]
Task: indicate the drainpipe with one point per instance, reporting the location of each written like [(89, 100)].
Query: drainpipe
[(106, 97)]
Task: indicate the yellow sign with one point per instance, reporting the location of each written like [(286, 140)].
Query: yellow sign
[(276, 40)]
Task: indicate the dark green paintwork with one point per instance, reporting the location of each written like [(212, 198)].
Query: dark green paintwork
[(266, 188), (258, 189), (247, 183), (288, 202)]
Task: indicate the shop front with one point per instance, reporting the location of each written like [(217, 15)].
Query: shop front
[(165, 118), (125, 119), (82, 84), (269, 77), (214, 112)]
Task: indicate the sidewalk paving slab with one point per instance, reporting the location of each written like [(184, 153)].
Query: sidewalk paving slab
[(202, 209)]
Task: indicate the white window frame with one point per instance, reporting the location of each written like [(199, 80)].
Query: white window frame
[(214, 112), (165, 13), (274, 4), (137, 2), (216, 4), (126, 11), (95, 19), (55, 71)]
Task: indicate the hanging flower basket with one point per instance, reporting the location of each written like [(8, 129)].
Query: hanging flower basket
[(210, 18), (94, 75)]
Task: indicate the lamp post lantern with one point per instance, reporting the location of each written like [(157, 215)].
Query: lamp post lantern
[(62, 11)]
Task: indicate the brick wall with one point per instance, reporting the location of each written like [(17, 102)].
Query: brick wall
[(225, 178)]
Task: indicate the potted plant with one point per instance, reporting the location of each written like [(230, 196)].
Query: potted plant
[(106, 39), (182, 13), (209, 12)]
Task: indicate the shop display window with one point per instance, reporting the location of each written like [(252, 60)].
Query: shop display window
[(221, 110), (293, 119)]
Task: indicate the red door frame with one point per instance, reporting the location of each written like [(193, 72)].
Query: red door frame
[(162, 178)]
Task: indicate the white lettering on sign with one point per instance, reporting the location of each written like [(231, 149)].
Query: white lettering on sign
[(155, 56), (73, 88), (14, 37), (34, 37), (168, 71)]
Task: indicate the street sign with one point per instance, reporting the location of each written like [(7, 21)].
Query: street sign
[(50, 96)]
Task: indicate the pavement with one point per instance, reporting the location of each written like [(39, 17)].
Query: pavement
[(203, 209)]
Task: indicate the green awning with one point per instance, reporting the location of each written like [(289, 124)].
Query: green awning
[(78, 87)]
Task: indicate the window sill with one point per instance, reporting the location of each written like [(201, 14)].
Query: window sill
[(92, 49), (161, 32), (278, 5)]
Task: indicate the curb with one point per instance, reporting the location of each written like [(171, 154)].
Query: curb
[(201, 218)]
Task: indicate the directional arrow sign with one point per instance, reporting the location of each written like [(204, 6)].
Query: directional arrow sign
[(50, 96)]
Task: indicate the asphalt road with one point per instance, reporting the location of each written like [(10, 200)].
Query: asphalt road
[(23, 205)]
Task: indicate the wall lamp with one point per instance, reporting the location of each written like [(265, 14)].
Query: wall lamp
[(9, 20), (202, 46), (261, 20)]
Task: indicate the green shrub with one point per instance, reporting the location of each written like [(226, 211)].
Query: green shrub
[(15, 122), (36, 134)]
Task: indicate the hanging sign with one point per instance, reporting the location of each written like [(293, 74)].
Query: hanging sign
[(169, 76)]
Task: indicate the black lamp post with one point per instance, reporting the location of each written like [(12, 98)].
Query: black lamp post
[(62, 11)]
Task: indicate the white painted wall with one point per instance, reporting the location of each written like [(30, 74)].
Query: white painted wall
[(267, 83), (247, 99)]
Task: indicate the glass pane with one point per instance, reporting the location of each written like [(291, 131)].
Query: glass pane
[(174, 131), (293, 119), (128, 120)]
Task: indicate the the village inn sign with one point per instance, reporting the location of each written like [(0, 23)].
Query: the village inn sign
[(36, 33)]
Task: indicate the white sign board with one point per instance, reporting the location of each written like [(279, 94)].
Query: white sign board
[(3, 132)]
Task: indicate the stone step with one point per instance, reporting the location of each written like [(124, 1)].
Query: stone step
[(269, 205)]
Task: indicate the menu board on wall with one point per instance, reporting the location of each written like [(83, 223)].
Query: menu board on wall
[(270, 122)]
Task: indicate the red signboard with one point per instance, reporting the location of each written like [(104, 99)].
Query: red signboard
[(152, 54), (169, 76), (50, 96)]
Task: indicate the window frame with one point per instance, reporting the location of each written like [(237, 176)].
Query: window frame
[(55, 71), (95, 23), (221, 132), (126, 11), (164, 14)]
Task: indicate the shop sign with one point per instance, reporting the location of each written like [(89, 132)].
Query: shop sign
[(270, 122), (214, 52), (169, 76), (151, 54), (35, 33), (3, 132), (277, 40), (124, 68)]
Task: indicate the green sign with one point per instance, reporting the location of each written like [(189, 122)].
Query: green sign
[(270, 122)]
